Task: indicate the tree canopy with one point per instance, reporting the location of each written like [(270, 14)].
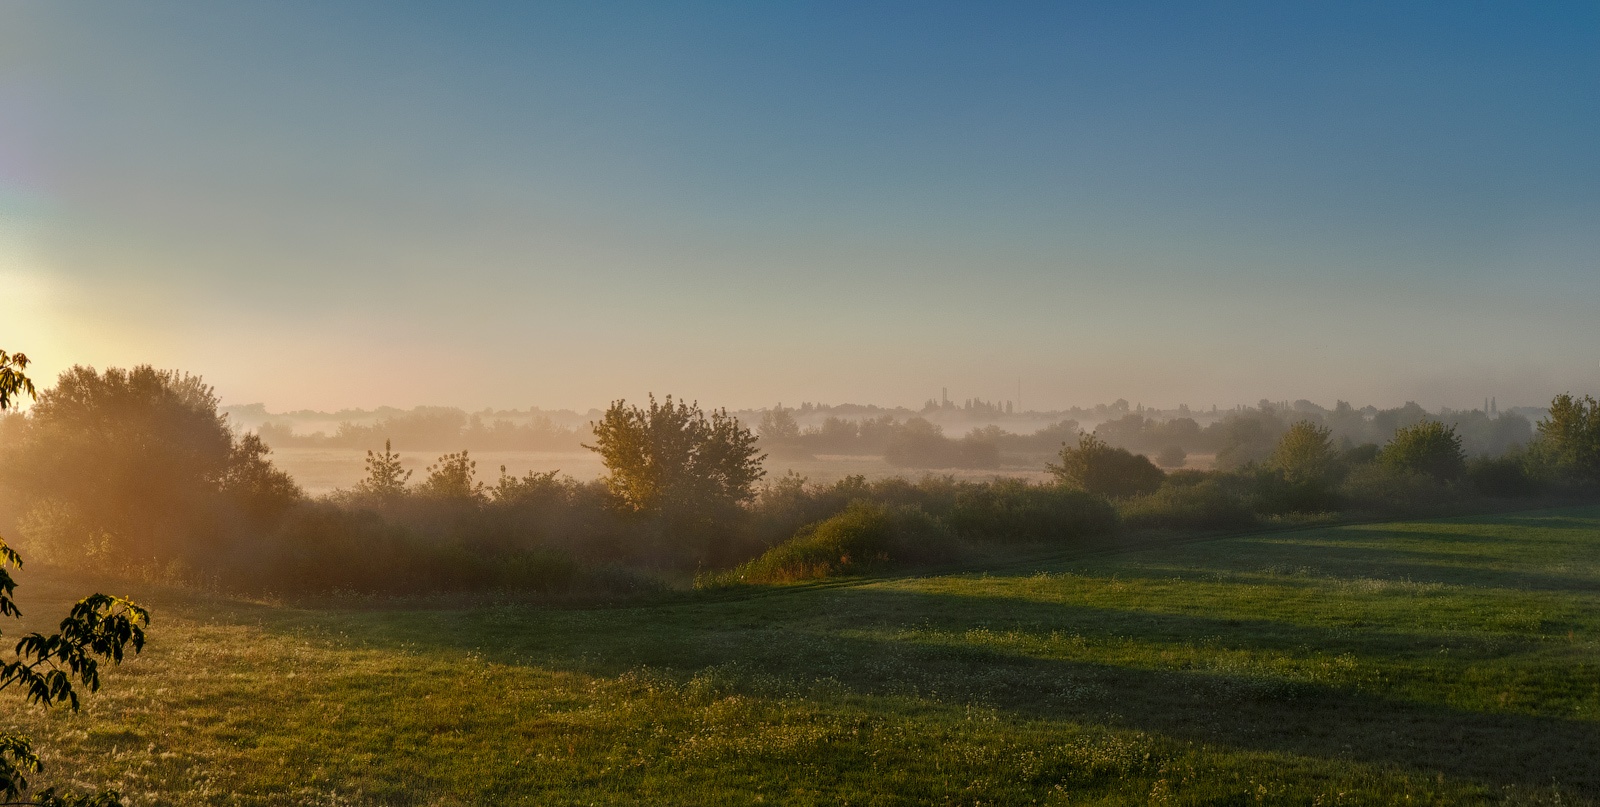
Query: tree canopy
[(48, 669), (1428, 447), (1569, 438), (672, 458), (1305, 453), (139, 461), (1097, 467)]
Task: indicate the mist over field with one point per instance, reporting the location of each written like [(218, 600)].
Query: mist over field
[(795, 403), (324, 450)]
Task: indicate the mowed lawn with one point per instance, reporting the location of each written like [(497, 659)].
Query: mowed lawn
[(1447, 661)]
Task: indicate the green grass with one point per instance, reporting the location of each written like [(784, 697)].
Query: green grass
[(1445, 661)]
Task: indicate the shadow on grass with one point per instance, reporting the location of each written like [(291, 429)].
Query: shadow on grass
[(895, 641), (1330, 559), (1310, 573), (846, 639)]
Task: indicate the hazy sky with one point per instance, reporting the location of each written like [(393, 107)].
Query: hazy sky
[(340, 204)]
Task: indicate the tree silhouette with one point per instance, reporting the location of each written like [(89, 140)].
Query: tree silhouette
[(48, 669), (671, 458)]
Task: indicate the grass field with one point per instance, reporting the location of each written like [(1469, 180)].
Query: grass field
[(1447, 661)]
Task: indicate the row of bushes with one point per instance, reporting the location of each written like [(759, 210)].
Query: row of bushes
[(1422, 468), (137, 469), (882, 526), (897, 523)]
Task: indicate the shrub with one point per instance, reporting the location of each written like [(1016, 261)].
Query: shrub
[(143, 459), (1275, 492), (1363, 454), (1014, 511), (672, 458), (862, 537), (1096, 467), (386, 479), (1430, 448), (1172, 457), (323, 547), (1501, 477), (920, 444), (1385, 489), (452, 478), (1187, 476), (1569, 438), (1305, 454), (1203, 505)]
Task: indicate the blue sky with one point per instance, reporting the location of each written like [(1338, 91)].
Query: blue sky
[(322, 205)]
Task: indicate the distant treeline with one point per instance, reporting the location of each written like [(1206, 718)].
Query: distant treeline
[(137, 471), (1237, 437), (910, 443), (434, 429), (1250, 435)]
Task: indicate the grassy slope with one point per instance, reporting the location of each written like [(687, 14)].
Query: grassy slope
[(1437, 661)]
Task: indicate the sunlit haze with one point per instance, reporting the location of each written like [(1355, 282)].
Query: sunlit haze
[(746, 203)]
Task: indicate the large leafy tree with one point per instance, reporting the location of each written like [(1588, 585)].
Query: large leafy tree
[(1428, 447), (1097, 467), (1305, 454), (48, 669), (1569, 437), (1299, 475), (778, 424), (670, 458), (142, 460)]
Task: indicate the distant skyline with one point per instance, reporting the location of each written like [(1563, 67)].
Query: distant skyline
[(319, 206)]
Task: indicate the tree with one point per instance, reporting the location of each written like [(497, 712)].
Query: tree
[(13, 381), (1172, 457), (257, 486), (1096, 467), (143, 458), (673, 459), (920, 444), (1569, 437), (1305, 454), (778, 425), (1428, 447), (385, 478), (47, 669), (454, 478), (1299, 476)]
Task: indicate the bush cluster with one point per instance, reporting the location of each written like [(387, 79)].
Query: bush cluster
[(137, 469)]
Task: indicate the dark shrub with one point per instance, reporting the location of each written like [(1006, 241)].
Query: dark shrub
[(1172, 457), (1014, 511), (1360, 455), (1184, 477), (323, 547), (1204, 505), (1569, 438), (864, 536), (1097, 467), (1384, 489), (1429, 447), (1501, 477), (1276, 492)]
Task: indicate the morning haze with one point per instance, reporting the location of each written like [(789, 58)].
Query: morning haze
[(559, 206), (798, 403)]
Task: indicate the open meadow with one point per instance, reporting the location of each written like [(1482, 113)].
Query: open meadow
[(1444, 661)]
